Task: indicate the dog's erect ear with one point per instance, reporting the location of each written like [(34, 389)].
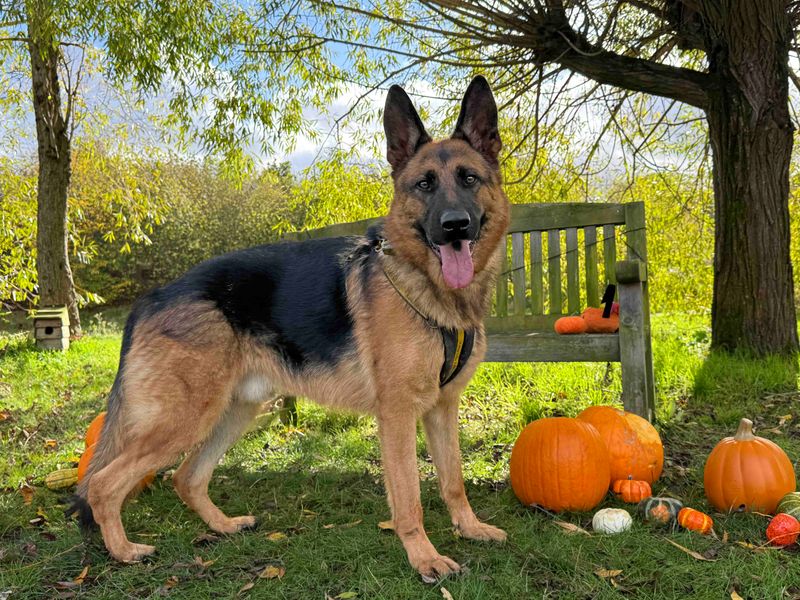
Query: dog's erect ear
[(405, 132), (477, 121)]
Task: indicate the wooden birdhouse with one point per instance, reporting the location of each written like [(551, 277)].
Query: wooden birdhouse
[(51, 328)]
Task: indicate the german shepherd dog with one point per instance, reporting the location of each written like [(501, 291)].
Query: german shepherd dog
[(355, 323)]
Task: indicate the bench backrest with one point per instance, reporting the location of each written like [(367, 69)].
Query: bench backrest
[(558, 259)]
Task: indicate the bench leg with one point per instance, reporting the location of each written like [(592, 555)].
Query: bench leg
[(638, 390), (288, 411)]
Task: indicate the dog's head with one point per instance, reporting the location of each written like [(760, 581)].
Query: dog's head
[(449, 212)]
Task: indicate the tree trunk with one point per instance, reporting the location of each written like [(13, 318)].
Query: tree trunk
[(52, 258), (751, 137)]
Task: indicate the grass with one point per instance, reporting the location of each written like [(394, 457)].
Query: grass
[(319, 485)]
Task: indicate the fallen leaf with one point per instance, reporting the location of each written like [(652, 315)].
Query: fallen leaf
[(735, 596), (724, 537), (386, 525), (79, 579), (272, 572), (27, 494), (198, 560), (346, 595), (4, 416), (446, 594), (608, 573), (170, 583), (428, 579), (774, 430), (205, 539), (50, 444), (570, 527), (691, 553), (353, 524), (783, 419), (276, 536), (329, 526), (247, 586)]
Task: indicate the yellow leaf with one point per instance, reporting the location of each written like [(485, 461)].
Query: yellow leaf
[(247, 586), (272, 572), (386, 525), (353, 524), (691, 553), (276, 536), (607, 573), (79, 579), (346, 595), (446, 594), (48, 443), (735, 596), (570, 527)]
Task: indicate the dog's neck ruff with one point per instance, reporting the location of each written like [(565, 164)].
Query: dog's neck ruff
[(458, 343)]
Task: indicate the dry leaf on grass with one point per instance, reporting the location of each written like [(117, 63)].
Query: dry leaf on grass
[(783, 419), (27, 494), (276, 536), (77, 582), (446, 594), (272, 572), (246, 587), (205, 539), (346, 595), (735, 595), (50, 444), (691, 553), (608, 573), (352, 524), (386, 525), (724, 537), (570, 527)]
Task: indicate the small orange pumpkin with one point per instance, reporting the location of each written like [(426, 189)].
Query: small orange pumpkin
[(94, 429), (694, 520), (570, 325), (632, 490), (746, 472), (783, 530), (561, 464), (634, 445), (595, 323)]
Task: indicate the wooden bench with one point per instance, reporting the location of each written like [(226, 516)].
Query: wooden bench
[(561, 257)]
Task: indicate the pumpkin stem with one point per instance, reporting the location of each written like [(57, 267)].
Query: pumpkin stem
[(745, 431)]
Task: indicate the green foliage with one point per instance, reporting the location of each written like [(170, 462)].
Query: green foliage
[(17, 234)]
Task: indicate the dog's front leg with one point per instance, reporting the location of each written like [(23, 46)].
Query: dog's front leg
[(441, 430), (398, 435)]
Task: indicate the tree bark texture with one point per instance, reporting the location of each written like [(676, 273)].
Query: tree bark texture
[(55, 282), (751, 136)]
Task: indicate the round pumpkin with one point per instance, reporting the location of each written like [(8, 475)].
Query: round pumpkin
[(570, 325), (694, 520), (660, 511), (61, 479), (790, 504), (94, 429), (631, 491), (560, 464), (596, 323), (783, 530), (611, 520), (634, 445), (747, 473)]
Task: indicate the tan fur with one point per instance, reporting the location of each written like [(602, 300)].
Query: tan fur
[(191, 384)]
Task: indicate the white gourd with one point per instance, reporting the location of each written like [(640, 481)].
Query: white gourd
[(611, 520)]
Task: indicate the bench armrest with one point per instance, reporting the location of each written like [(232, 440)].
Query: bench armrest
[(631, 271)]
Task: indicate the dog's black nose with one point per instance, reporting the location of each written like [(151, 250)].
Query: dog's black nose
[(454, 221)]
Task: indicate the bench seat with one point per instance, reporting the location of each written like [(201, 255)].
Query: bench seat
[(541, 346)]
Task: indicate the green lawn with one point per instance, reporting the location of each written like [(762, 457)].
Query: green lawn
[(320, 486)]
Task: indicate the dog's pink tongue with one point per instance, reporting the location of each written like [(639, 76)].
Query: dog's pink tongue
[(457, 267)]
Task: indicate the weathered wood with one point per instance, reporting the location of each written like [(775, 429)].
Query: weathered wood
[(630, 271), (592, 275), (501, 291), (537, 273), (551, 347), (636, 395), (609, 253), (560, 215), (518, 271), (554, 270), (573, 276), (521, 323), (48, 332)]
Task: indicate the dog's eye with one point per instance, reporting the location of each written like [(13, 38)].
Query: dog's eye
[(470, 180), (424, 185)]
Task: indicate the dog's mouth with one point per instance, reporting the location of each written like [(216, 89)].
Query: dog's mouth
[(455, 258)]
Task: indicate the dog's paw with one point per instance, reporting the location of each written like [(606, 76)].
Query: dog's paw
[(434, 567), (132, 553), (233, 524), (481, 531)]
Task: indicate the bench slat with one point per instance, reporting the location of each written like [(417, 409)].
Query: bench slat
[(551, 347), (609, 253), (573, 276), (501, 291), (520, 323), (537, 273), (592, 277), (560, 215), (518, 271), (554, 270)]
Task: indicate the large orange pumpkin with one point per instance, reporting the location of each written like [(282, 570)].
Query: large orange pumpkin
[(561, 464), (634, 445), (94, 429), (749, 473)]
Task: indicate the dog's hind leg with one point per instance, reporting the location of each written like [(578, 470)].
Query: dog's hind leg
[(192, 477)]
